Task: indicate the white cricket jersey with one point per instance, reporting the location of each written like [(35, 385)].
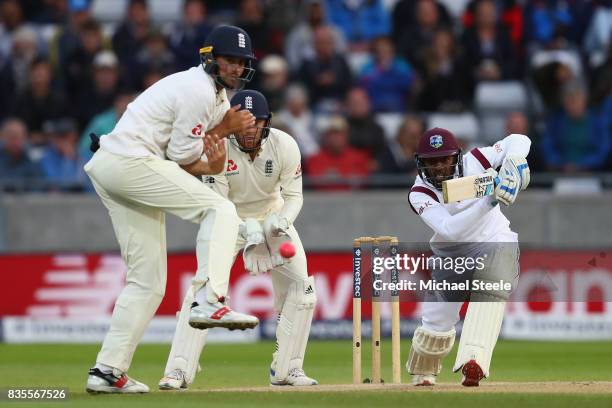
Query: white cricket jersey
[(169, 118), (474, 220), (270, 183)]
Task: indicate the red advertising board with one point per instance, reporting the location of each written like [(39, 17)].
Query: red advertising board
[(78, 286)]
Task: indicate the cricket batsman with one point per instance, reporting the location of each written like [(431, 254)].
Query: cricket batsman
[(144, 169), (263, 178), (475, 228)]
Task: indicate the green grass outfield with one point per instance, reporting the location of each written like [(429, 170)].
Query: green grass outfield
[(516, 367)]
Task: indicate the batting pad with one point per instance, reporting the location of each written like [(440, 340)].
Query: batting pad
[(187, 343), (479, 335), (294, 326), (427, 351)]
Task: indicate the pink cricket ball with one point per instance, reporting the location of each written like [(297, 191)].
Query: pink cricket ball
[(287, 250)]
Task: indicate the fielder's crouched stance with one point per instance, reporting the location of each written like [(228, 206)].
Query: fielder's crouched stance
[(144, 169), (263, 179), (478, 224)]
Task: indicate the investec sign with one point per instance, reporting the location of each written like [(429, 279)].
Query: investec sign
[(357, 272)]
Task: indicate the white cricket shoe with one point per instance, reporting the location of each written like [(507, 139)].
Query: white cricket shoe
[(423, 380), (114, 382), (296, 378), (173, 381), (209, 315)]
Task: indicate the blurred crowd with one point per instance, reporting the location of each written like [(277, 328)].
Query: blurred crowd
[(355, 82)]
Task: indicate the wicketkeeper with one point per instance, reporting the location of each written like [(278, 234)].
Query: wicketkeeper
[(263, 178)]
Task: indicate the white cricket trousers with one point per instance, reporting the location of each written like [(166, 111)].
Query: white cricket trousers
[(137, 191)]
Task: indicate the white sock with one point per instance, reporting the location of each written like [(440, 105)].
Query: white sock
[(104, 368)]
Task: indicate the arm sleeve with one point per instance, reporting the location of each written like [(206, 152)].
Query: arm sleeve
[(219, 184), (190, 123), (442, 222), (512, 145), (291, 181)]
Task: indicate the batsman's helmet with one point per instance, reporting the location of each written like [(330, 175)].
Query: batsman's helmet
[(231, 41), (257, 104), (438, 142)]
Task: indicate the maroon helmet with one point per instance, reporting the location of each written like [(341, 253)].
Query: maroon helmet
[(438, 142)]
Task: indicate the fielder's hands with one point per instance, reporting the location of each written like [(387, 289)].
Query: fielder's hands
[(215, 153), (256, 255), (519, 168), (237, 120), (276, 229)]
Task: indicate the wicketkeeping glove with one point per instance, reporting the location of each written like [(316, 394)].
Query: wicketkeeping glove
[(276, 231), (518, 166), (256, 255)]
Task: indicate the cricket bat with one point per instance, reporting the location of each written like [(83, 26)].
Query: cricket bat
[(465, 188)]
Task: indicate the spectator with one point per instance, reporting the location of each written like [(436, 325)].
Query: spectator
[(551, 20), (599, 34), (387, 78), (398, 156), (67, 38), (25, 50), (100, 95), (152, 76), (488, 49), (11, 16), (444, 77), (79, 64), (40, 102), (576, 138), (61, 163), (554, 67), (252, 19), (274, 79), (337, 161), (327, 75), (408, 13), (53, 12), (298, 119), (517, 122), (132, 33), (188, 36), (511, 16), (103, 123), (413, 40), (299, 42), (360, 21), (154, 56), (17, 170), (364, 133)]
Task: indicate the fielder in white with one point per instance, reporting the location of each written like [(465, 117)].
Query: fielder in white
[(144, 168), (481, 228), (263, 179)]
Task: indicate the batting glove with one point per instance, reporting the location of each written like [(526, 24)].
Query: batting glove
[(276, 231), (256, 255), (518, 166), (508, 187)]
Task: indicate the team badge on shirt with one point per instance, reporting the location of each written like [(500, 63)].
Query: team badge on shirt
[(436, 141), (268, 169)]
